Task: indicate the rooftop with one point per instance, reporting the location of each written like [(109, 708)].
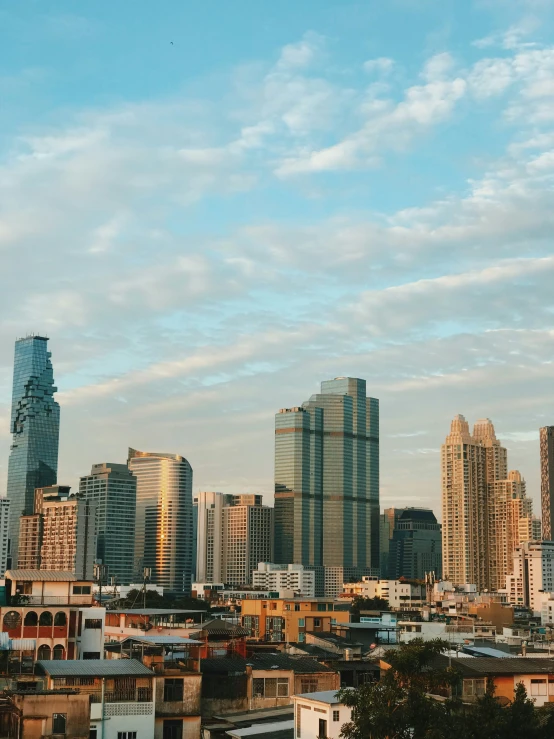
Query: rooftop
[(45, 575), (219, 627), (154, 611), (160, 640), (94, 668), (225, 665), (322, 696), (271, 728)]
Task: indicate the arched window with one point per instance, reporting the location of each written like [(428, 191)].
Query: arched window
[(31, 619), (12, 620), (60, 619), (45, 619), (43, 652), (59, 652)]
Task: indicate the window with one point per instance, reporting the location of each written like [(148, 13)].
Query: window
[(301, 622), (45, 619), (93, 733), (317, 622), (301, 636), (31, 619), (271, 687), (538, 687), (322, 731), (93, 623), (297, 606), (84, 590), (308, 684), (336, 715), (173, 689), (25, 588), (60, 619), (58, 652), (474, 688), (173, 729), (321, 606), (126, 735), (91, 655), (59, 721)]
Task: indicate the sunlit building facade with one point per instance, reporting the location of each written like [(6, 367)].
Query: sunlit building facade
[(163, 530), (35, 426), (546, 437)]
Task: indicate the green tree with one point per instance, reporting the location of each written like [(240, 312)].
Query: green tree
[(359, 603)]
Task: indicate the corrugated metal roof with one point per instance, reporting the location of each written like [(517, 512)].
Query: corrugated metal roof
[(300, 665), (94, 668), (506, 665), (23, 644), (274, 727), (322, 696), (46, 575), (153, 611), (179, 640)]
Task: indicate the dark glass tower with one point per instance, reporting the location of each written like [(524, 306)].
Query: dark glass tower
[(327, 478), (35, 426)]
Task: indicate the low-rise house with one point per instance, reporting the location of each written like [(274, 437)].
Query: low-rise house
[(319, 715), (45, 713), (121, 624), (121, 694), (289, 619), (221, 639)]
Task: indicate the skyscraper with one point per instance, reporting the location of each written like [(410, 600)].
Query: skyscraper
[(415, 545), (209, 535), (113, 489), (327, 478), (163, 538), (547, 481), (35, 425)]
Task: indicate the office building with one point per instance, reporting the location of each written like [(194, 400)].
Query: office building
[(546, 440), (282, 578), (163, 530), (327, 478), (532, 578), (60, 534), (113, 489), (208, 508), (34, 425), (247, 538), (415, 545), (4, 524)]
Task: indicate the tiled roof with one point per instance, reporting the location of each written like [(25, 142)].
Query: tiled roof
[(219, 627), (46, 575), (506, 665), (94, 668), (300, 665)]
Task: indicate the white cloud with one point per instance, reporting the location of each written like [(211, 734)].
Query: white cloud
[(382, 65)]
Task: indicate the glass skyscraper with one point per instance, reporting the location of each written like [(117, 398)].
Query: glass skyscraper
[(35, 426), (113, 488), (164, 529), (327, 478)]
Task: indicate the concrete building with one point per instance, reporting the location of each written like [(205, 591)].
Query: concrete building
[(398, 593), (327, 478), (319, 714), (60, 534), (289, 619), (533, 575), (209, 535), (4, 531), (279, 578), (163, 535), (44, 713), (113, 490), (546, 440), (415, 545), (247, 538)]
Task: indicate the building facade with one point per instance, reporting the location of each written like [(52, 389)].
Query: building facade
[(415, 547), (4, 534), (113, 490), (279, 578), (327, 478), (546, 437), (532, 578), (247, 538), (163, 537), (208, 508), (35, 427)]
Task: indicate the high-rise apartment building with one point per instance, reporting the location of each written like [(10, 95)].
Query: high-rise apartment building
[(415, 546), (34, 425), (163, 531), (209, 535), (113, 489), (484, 507), (234, 534), (4, 523), (281, 578), (533, 574), (327, 478), (60, 534), (546, 437)]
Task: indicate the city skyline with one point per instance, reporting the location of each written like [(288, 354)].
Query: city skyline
[(338, 189)]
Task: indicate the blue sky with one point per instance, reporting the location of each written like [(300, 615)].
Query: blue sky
[(287, 192)]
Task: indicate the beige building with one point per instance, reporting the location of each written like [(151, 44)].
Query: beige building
[(533, 575), (547, 481), (60, 535), (247, 538), (486, 513)]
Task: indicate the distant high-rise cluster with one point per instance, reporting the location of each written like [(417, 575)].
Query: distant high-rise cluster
[(486, 513)]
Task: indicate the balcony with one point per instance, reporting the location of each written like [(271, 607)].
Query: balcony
[(54, 600)]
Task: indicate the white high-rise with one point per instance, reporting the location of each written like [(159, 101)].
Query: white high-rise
[(533, 575)]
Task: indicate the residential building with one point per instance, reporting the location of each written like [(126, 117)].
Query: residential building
[(35, 427), (247, 538), (319, 714), (335, 577), (532, 578), (208, 507), (113, 489), (327, 478), (279, 578), (44, 713), (4, 530), (163, 536), (289, 619), (398, 593), (60, 534), (546, 437), (529, 529), (415, 545), (234, 533), (49, 614), (121, 694)]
